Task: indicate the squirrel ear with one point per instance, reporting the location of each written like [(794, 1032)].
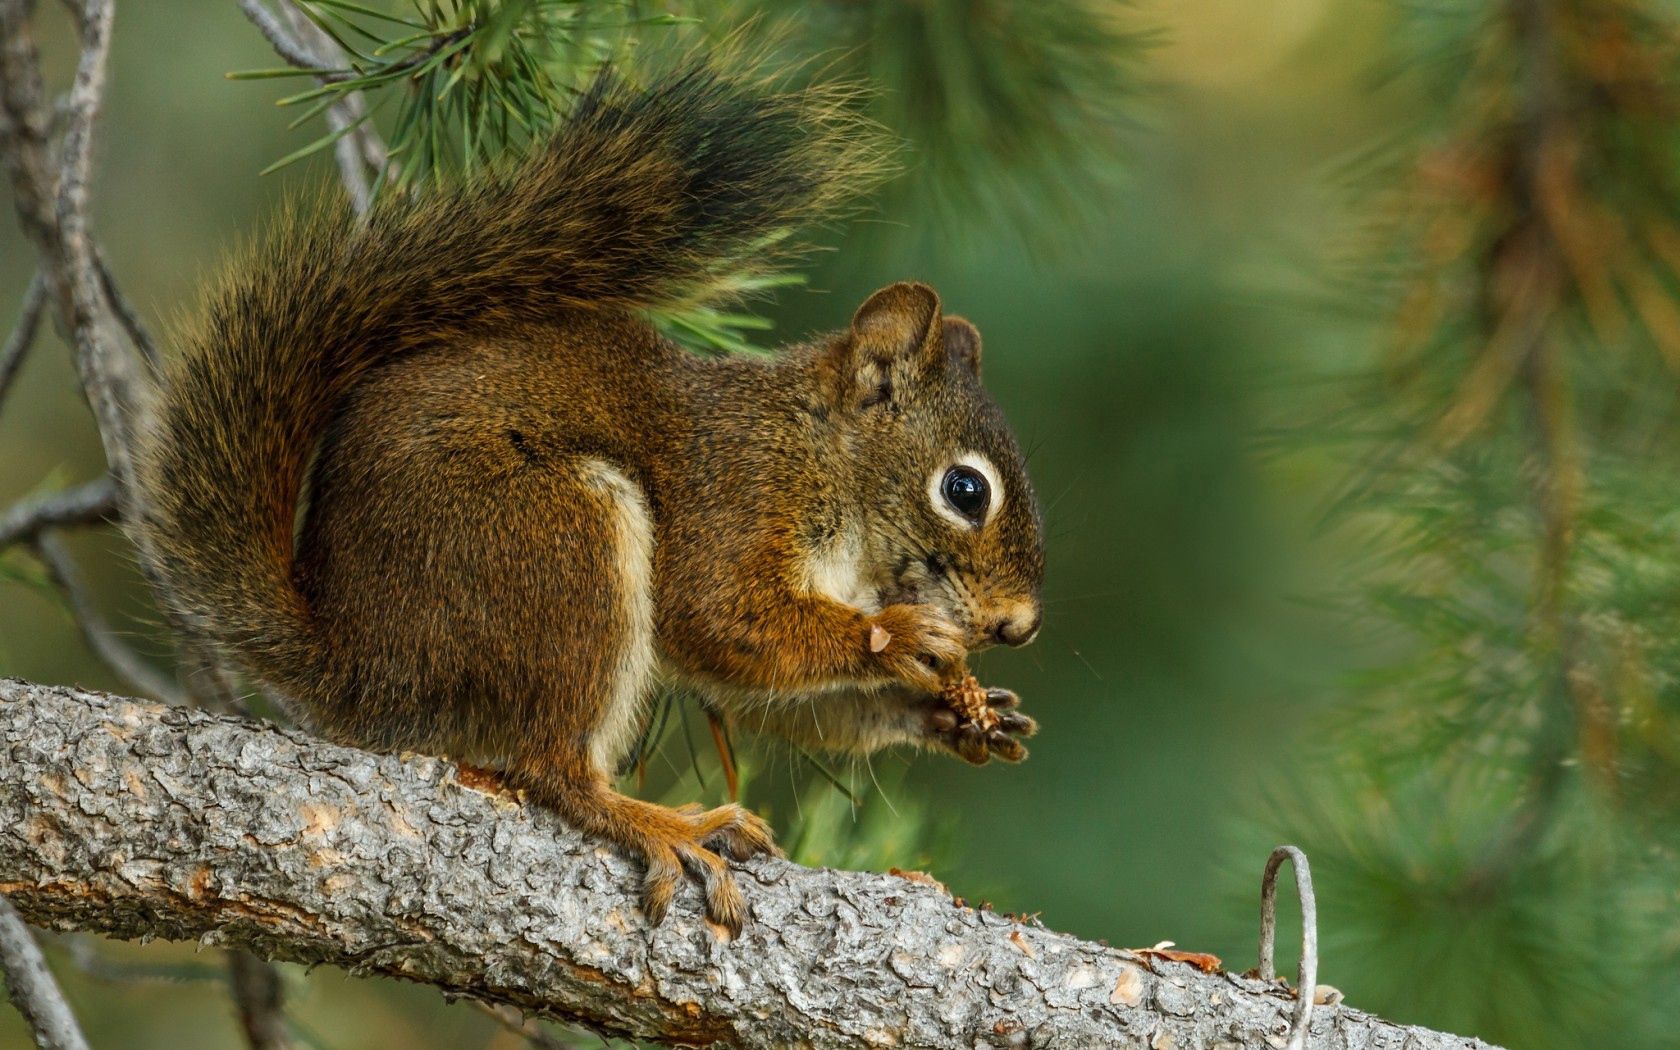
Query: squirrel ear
[(895, 322), (893, 334), (962, 342)]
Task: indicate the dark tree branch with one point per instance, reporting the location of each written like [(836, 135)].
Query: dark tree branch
[(132, 819), (51, 198), (24, 126), (257, 994)]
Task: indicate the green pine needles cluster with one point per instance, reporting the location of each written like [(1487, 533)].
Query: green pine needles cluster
[(1014, 109), (1012, 112), (1009, 110), (1499, 823), (465, 81)]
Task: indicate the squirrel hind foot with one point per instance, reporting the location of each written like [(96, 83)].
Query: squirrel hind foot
[(672, 844), (695, 843)]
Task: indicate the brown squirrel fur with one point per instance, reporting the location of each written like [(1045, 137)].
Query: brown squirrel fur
[(524, 506)]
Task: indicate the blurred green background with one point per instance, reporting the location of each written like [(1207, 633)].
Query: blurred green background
[(1171, 342)]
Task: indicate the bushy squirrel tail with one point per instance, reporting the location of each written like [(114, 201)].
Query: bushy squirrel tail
[(650, 197)]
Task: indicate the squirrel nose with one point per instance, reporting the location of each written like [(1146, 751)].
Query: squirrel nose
[(1019, 629)]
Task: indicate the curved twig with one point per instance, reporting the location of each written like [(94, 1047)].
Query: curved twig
[(1306, 985), (107, 375), (359, 149), (288, 47), (126, 314)]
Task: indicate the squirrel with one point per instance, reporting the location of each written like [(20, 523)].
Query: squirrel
[(436, 479)]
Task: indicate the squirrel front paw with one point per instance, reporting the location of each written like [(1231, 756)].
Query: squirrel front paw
[(978, 722), (913, 644)]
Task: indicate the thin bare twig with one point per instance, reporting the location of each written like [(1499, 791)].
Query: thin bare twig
[(519, 1024), (355, 150), (126, 314), (52, 208), (349, 157), (107, 375), (32, 988), (258, 994), (100, 636), (86, 504), (284, 44), (1306, 984), (23, 336), (302, 44)]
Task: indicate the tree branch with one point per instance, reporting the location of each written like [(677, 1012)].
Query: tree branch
[(127, 315), (23, 336), (134, 820), (24, 126), (282, 41), (257, 993), (306, 47), (81, 505), (107, 374), (52, 202), (32, 987), (100, 636)]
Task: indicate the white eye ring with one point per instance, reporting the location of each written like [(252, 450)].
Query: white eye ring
[(979, 464)]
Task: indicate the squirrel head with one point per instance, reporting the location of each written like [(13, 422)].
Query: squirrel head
[(947, 516)]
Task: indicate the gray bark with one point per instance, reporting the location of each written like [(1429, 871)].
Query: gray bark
[(138, 820), (32, 988)]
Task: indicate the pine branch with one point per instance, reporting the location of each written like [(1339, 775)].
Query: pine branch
[(390, 866)]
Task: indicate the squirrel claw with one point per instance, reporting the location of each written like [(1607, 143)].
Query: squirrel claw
[(972, 746), (699, 852), (1001, 699), (1017, 724), (1005, 746)]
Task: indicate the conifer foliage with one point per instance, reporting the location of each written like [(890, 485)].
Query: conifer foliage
[(1500, 809)]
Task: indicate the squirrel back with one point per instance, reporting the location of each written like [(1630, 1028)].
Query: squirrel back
[(643, 199)]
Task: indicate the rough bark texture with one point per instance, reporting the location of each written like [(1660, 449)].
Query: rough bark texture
[(138, 820)]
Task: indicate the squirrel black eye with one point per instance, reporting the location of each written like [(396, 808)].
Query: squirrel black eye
[(965, 489)]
